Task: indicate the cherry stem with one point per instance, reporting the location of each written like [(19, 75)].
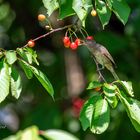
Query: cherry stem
[(82, 33), (71, 32), (49, 23), (85, 31)]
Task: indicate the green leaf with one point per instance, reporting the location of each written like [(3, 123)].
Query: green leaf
[(30, 133), (26, 69), (33, 54), (110, 94), (4, 80), (109, 4), (87, 112), (14, 137), (94, 84), (65, 8), (121, 10), (16, 86), (1, 54), (101, 118), (25, 55), (103, 11), (128, 87), (41, 77), (11, 56), (55, 134), (50, 5), (132, 107), (82, 8)]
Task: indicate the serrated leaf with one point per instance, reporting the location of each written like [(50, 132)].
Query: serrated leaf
[(87, 112), (41, 77), (55, 134), (50, 5), (94, 84), (82, 8), (33, 54), (128, 87), (121, 10), (101, 118), (110, 94), (103, 11), (25, 55), (11, 56), (26, 69), (65, 8), (4, 80), (132, 107), (16, 86)]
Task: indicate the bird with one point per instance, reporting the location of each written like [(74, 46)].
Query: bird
[(101, 55)]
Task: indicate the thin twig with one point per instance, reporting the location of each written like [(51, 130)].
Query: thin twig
[(98, 69)]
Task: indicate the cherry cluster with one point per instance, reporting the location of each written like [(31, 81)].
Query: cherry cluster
[(73, 45), (68, 41)]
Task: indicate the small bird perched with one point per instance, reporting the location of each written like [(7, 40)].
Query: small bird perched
[(101, 54)]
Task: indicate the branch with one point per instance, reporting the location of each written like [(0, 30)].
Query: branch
[(52, 31), (99, 72)]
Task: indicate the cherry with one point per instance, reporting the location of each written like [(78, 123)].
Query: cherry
[(77, 41), (31, 43), (66, 39), (93, 13), (90, 38), (41, 17), (77, 104), (67, 44), (97, 89), (73, 46)]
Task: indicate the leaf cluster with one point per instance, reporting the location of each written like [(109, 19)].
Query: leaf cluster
[(95, 113)]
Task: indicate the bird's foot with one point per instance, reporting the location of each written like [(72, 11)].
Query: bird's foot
[(99, 69)]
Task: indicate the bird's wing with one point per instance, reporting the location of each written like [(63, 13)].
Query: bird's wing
[(107, 54)]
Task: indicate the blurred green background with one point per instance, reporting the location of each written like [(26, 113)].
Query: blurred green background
[(69, 71)]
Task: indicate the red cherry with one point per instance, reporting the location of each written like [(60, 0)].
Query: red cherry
[(67, 44), (97, 89), (77, 104), (90, 38), (77, 41), (73, 46), (31, 43), (66, 39)]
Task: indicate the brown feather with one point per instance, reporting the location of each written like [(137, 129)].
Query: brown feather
[(107, 54)]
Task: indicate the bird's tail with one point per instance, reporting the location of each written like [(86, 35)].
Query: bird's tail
[(111, 69), (115, 75)]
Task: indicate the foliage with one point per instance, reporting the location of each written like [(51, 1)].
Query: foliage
[(33, 133), (10, 77), (96, 112), (83, 7), (103, 107)]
